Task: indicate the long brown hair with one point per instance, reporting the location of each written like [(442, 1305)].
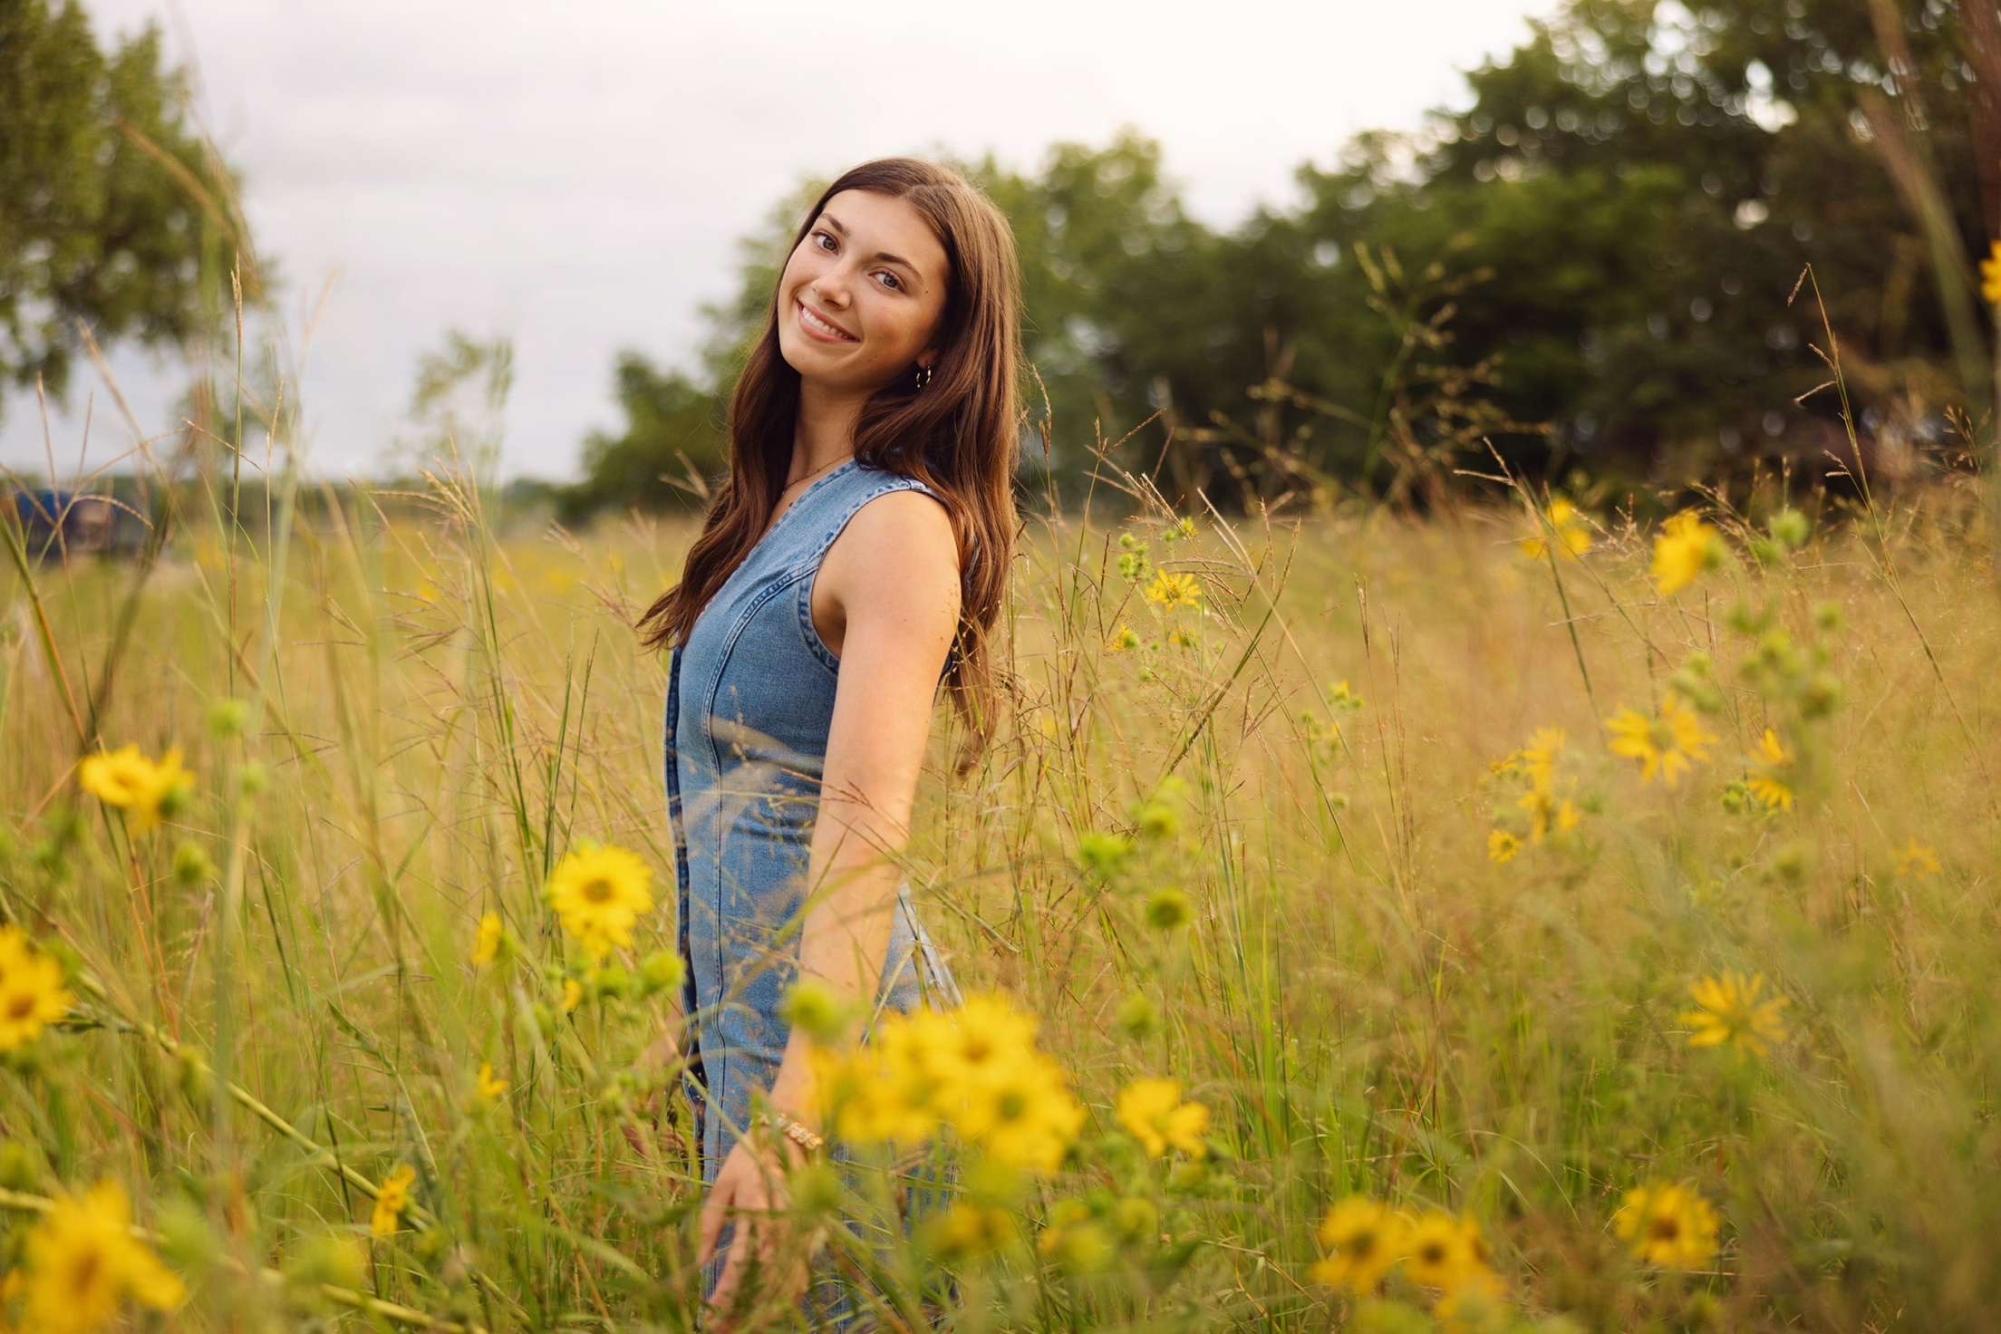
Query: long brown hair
[(959, 435)]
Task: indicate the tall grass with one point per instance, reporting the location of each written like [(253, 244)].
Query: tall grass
[(399, 721)]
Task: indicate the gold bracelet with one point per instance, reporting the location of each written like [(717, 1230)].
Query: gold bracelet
[(797, 1131)]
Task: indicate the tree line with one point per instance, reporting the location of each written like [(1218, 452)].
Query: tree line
[(1623, 257)]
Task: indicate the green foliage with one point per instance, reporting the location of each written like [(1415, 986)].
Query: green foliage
[(1592, 263), (112, 212)]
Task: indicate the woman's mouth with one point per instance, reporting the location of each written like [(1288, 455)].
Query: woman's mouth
[(819, 328)]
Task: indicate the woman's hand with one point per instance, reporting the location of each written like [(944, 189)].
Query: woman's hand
[(752, 1186)]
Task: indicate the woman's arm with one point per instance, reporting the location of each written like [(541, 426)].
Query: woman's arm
[(894, 573)]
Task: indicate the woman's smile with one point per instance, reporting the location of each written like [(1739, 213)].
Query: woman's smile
[(819, 328)]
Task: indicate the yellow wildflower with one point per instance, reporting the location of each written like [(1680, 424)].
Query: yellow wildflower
[(392, 1201), (1441, 1251), (486, 943), (1502, 845), (1174, 590), (1027, 1118), (1362, 1238), (1668, 1224), (1732, 1013), (968, 1230), (1666, 745), (1573, 535), (1990, 275), (1152, 1111), (1770, 785), (974, 1068), (1548, 813), (81, 1261), (1122, 639), (146, 791), (979, 1037), (573, 994), (1686, 547), (488, 1086), (599, 892), (32, 995), (1915, 858)]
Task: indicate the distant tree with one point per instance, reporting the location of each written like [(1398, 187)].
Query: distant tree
[(458, 408), (113, 213), (673, 430), (1646, 182)]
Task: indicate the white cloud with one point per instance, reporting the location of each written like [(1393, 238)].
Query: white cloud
[(575, 176)]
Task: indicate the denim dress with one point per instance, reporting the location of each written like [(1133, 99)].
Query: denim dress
[(750, 698)]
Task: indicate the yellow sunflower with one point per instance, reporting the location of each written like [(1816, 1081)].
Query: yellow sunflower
[(147, 792), (1363, 1238), (1686, 547), (1667, 745), (32, 995), (81, 1262), (599, 892), (1668, 1224), (1731, 1013), (1152, 1111)]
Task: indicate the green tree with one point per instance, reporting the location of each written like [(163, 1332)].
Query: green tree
[(113, 213), (671, 446)]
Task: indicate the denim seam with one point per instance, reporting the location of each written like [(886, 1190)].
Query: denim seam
[(720, 1089)]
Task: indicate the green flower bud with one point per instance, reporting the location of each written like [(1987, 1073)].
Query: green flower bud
[(228, 717), (1821, 695), (192, 867), (815, 1009), (1081, 1248), (1157, 819), (613, 981), (1137, 1220), (20, 1165), (663, 970), (1137, 1015), (1102, 855), (187, 1240), (1168, 909), (1790, 528)]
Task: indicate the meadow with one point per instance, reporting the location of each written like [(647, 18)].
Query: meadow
[(1522, 916)]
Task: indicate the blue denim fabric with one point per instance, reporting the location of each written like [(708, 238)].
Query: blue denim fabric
[(750, 698)]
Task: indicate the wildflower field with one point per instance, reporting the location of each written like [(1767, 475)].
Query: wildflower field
[(1525, 916)]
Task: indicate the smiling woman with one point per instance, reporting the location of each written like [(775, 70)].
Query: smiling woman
[(853, 564)]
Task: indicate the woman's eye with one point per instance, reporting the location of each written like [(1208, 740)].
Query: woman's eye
[(817, 234)]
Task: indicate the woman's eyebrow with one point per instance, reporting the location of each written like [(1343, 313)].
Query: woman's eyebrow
[(841, 227)]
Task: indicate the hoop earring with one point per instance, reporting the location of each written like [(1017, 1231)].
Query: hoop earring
[(923, 376)]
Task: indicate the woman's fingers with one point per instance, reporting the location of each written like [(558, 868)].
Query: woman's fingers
[(711, 1223), (739, 1252)]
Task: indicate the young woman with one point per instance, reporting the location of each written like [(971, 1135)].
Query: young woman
[(854, 562)]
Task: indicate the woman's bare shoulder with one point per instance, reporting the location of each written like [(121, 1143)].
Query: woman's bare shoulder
[(900, 544)]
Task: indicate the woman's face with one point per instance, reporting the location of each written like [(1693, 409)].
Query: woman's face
[(870, 266)]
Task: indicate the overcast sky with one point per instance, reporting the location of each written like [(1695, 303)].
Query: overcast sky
[(574, 176)]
